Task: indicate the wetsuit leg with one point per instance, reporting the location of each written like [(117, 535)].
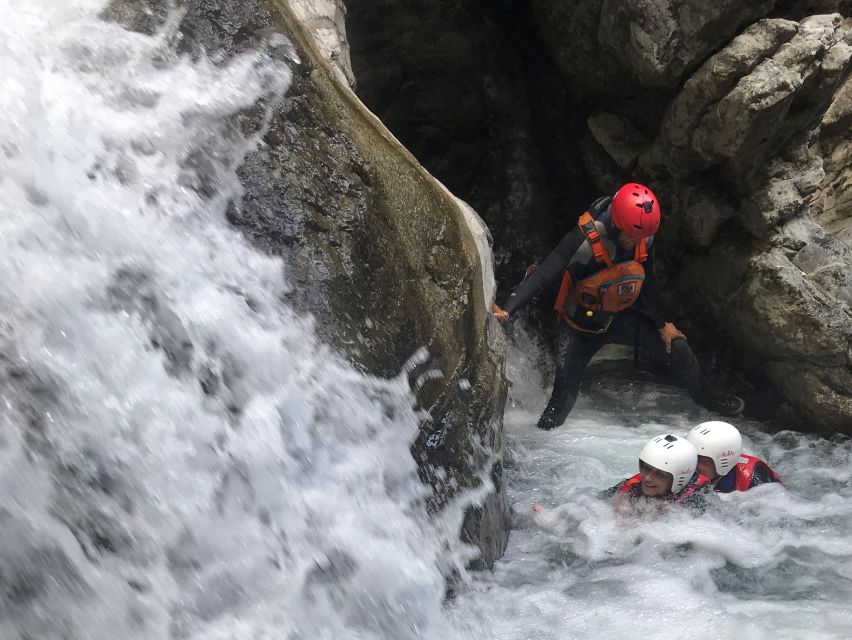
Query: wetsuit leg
[(632, 327), (685, 367), (574, 350)]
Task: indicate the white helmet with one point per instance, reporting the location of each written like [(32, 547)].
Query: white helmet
[(673, 455), (720, 441)]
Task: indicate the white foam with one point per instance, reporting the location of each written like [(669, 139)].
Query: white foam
[(181, 457), (768, 563)]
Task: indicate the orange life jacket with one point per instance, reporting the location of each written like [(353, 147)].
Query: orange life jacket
[(745, 471), (632, 484), (590, 304)]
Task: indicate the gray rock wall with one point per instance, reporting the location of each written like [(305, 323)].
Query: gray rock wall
[(470, 91), (381, 254), (756, 197), (736, 113)]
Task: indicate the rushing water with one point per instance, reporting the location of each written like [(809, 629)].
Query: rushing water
[(768, 563), (181, 458)]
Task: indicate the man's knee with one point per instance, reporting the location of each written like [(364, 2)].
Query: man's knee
[(682, 356)]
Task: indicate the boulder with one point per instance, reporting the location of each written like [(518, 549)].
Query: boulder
[(659, 41), (751, 160), (747, 102), (384, 257), (440, 76), (832, 204)]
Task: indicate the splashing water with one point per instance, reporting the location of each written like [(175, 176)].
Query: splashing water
[(179, 456), (768, 563)]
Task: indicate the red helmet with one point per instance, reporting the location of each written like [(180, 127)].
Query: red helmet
[(636, 210)]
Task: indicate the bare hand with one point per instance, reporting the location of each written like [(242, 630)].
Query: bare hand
[(500, 314), (668, 333)]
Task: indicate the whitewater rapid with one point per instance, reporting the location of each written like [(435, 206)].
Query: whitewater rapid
[(179, 456), (773, 562)]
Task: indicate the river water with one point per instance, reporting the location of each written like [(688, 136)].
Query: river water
[(180, 457), (772, 562)]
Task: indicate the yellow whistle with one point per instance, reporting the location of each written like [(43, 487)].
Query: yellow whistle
[(589, 313)]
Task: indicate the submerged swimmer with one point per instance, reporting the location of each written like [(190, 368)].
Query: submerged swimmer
[(721, 458), (667, 471)]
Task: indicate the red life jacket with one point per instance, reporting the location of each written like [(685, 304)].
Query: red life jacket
[(633, 483), (612, 289), (745, 471)]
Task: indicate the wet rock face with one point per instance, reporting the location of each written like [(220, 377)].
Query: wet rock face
[(743, 127), (658, 41), (737, 114), (470, 90), (832, 204), (375, 249)]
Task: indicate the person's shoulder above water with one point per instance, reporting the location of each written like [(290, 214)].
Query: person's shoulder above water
[(667, 472), (720, 458)]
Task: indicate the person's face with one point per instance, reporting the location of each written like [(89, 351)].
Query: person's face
[(653, 481), (706, 467), (626, 242)]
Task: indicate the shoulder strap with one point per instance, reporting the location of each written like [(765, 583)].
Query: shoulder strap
[(628, 484), (587, 226), (641, 253)]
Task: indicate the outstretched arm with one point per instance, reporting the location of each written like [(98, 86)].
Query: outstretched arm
[(547, 273)]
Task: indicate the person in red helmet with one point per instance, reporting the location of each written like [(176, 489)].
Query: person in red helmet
[(610, 294)]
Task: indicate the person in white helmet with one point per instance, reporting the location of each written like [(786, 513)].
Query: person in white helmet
[(721, 458), (667, 471)]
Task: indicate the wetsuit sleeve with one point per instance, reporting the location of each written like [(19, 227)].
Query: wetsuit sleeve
[(651, 298), (547, 273)]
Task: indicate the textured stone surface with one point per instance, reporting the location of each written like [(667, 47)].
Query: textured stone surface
[(659, 41), (326, 19), (832, 205), (746, 174), (471, 92), (381, 254), (622, 141), (718, 76)]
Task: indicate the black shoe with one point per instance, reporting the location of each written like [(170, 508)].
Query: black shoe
[(727, 405), (546, 422), (557, 410)]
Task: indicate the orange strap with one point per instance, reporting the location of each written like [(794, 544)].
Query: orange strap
[(641, 253), (630, 483), (564, 290), (587, 226)]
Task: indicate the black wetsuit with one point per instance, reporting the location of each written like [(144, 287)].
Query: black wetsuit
[(637, 326)]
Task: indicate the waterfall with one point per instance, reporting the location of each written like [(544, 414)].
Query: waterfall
[(181, 457)]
